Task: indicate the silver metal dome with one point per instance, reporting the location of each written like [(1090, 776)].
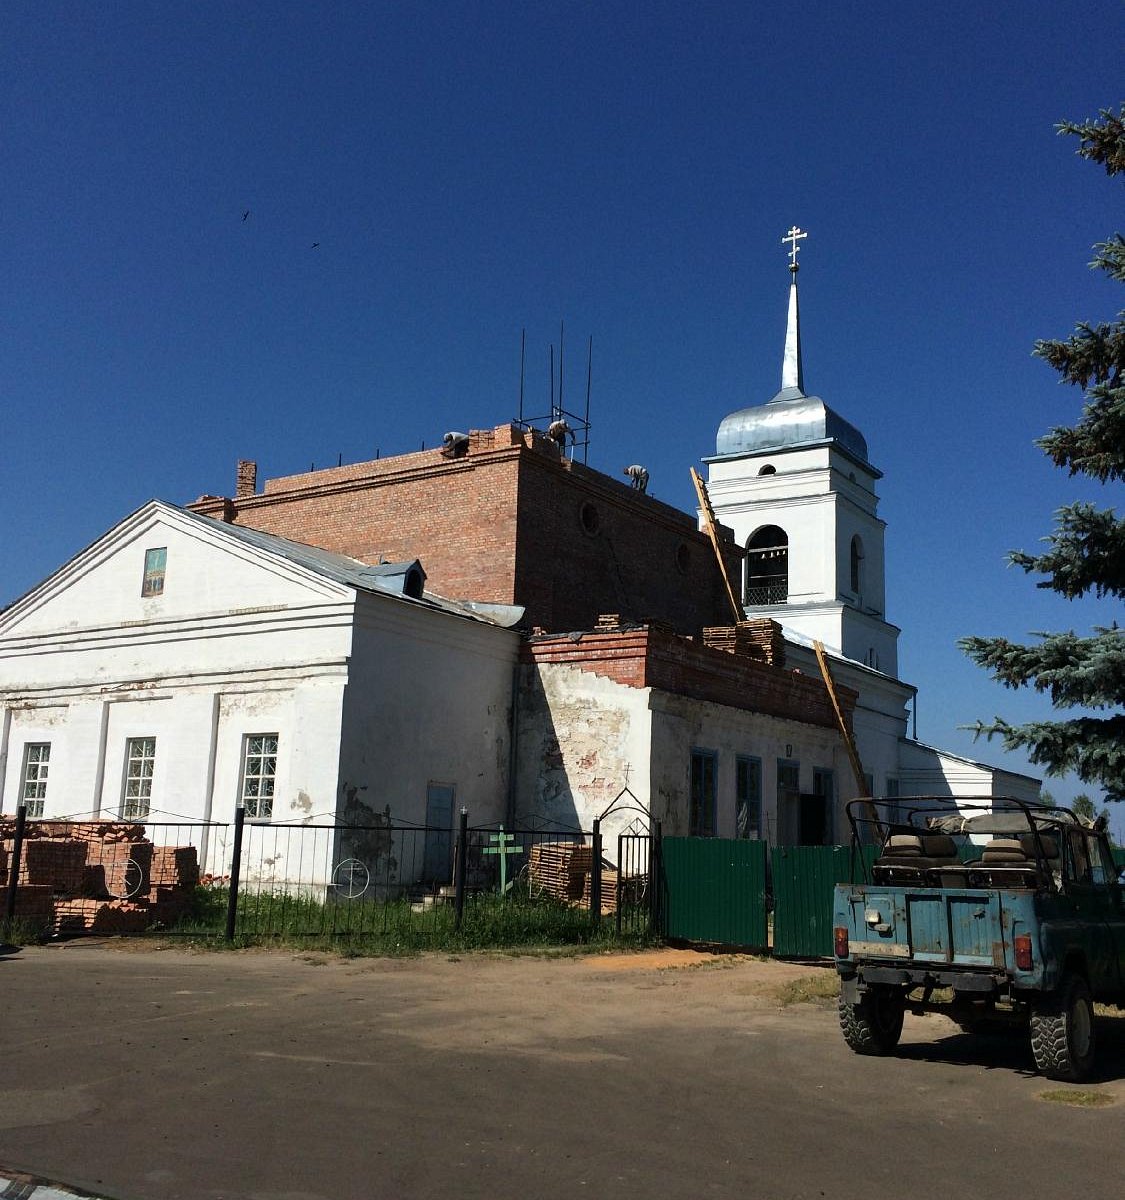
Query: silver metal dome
[(790, 419)]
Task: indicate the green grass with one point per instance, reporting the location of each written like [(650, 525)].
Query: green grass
[(24, 931), (810, 989), (515, 922), (1077, 1097)]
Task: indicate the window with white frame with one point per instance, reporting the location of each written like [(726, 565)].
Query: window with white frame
[(140, 759), (33, 790), (259, 773)]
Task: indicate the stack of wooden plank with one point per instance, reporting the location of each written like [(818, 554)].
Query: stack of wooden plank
[(560, 868), (609, 890), (759, 639)]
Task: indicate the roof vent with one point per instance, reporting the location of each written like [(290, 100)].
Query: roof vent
[(404, 578)]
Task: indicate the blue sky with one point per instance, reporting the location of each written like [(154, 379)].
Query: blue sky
[(469, 170)]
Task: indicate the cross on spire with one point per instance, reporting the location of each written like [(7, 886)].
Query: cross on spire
[(793, 237)]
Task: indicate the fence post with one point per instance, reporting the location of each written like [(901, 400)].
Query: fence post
[(596, 876), (656, 877), (620, 875), (236, 863), (14, 864), (460, 858)]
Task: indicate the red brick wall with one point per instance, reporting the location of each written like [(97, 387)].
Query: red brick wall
[(653, 658), (509, 522), (588, 544), (458, 517)]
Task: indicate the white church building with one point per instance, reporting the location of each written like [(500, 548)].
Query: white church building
[(182, 666)]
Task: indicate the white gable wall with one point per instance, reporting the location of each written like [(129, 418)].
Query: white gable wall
[(927, 771), (428, 701), (206, 574), (238, 643)]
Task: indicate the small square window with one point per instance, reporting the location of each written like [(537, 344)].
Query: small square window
[(156, 560), (33, 790), (259, 773)]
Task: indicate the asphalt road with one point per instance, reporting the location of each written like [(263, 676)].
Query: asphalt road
[(161, 1075)]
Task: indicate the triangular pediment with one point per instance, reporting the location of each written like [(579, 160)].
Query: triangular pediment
[(205, 570)]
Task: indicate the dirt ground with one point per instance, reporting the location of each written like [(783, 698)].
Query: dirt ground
[(163, 1074)]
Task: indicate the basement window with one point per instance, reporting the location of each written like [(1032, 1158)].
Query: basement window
[(156, 560)]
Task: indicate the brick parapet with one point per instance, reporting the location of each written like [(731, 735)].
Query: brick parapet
[(658, 659), (511, 521)]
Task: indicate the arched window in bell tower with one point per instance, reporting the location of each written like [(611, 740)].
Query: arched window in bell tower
[(857, 566), (767, 567)]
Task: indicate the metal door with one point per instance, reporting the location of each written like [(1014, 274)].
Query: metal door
[(437, 865)]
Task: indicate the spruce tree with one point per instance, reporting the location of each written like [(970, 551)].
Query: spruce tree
[(1086, 551)]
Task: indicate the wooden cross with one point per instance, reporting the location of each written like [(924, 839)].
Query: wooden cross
[(500, 845), (793, 237)]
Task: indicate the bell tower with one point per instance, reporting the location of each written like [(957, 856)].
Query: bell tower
[(792, 479)]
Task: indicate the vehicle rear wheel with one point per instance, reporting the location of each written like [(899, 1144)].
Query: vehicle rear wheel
[(874, 1025), (1062, 1032)]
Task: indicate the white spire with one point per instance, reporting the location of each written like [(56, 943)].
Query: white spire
[(792, 372)]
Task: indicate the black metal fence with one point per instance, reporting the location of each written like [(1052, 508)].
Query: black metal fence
[(248, 879)]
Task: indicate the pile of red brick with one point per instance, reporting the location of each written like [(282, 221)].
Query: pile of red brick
[(98, 877)]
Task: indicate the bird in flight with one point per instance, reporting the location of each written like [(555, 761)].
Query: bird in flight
[(314, 245), (246, 215)]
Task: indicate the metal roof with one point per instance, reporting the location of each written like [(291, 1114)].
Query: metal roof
[(385, 579), (789, 420)]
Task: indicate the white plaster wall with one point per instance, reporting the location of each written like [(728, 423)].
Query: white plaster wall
[(429, 701), (821, 499), (880, 718), (582, 739), (927, 771), (101, 587), (681, 725), (238, 643)]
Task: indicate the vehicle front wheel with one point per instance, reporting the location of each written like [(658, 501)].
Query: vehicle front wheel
[(1062, 1032), (874, 1025)]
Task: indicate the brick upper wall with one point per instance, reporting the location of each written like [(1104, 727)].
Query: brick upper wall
[(512, 522), (658, 659)]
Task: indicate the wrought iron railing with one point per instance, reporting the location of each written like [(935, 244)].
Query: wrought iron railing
[(767, 590)]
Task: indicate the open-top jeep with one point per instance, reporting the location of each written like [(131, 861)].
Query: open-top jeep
[(988, 911)]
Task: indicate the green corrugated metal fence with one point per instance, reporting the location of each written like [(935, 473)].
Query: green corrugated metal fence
[(804, 879), (715, 891)]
